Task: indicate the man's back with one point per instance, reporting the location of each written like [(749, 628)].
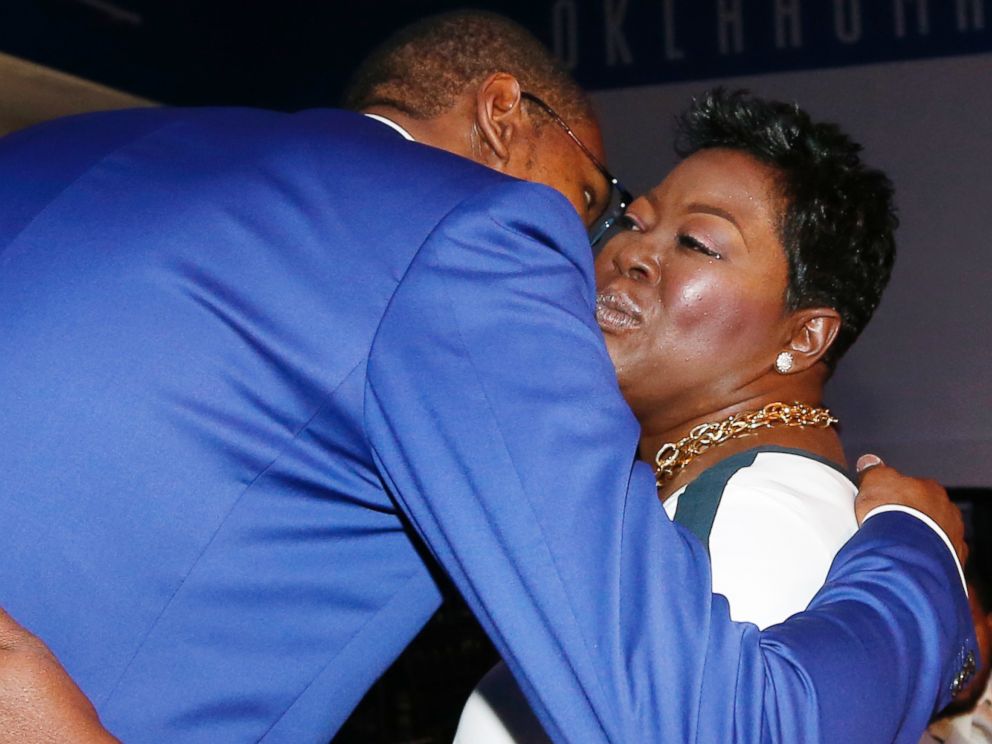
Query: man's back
[(191, 516)]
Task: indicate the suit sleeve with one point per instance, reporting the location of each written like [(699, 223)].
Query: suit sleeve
[(494, 417)]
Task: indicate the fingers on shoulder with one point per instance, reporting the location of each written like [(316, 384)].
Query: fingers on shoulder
[(899, 486)]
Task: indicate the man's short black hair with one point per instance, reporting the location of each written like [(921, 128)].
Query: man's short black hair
[(423, 68), (838, 217)]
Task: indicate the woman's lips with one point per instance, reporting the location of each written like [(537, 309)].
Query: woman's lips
[(616, 312)]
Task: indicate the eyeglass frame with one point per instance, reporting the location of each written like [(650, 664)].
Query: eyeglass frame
[(609, 216)]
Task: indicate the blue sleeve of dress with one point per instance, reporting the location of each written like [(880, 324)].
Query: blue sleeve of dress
[(495, 419)]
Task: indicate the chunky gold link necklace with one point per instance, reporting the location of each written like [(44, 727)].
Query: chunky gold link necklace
[(674, 456)]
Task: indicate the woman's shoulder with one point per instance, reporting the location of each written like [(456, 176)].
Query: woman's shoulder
[(785, 467), (776, 518), (767, 483), (791, 496)]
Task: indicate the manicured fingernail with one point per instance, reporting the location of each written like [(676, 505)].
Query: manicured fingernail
[(868, 461)]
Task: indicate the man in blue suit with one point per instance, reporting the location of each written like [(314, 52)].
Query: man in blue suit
[(262, 373)]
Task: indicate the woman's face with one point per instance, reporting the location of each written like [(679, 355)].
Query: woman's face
[(692, 297)]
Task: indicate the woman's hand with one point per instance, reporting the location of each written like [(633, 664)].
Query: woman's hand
[(39, 702)]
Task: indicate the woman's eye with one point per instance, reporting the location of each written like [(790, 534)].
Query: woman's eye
[(587, 194), (626, 222), (694, 244)]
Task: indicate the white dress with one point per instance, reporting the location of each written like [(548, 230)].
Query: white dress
[(779, 516), (973, 727)]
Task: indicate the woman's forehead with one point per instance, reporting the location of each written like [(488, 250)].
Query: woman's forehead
[(730, 180)]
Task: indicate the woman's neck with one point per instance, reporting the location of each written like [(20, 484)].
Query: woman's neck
[(822, 441)]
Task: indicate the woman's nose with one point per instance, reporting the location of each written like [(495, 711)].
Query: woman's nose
[(637, 263)]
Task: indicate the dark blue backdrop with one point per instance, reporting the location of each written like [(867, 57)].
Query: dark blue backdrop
[(297, 53)]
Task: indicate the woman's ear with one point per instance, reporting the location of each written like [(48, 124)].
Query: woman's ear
[(498, 119), (814, 330)]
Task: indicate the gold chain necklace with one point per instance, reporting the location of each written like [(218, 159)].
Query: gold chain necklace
[(674, 456)]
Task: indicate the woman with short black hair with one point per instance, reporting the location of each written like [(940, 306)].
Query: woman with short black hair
[(726, 300)]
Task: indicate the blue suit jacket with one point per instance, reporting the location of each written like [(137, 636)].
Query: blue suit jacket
[(247, 358)]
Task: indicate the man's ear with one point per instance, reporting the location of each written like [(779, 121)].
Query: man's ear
[(814, 330), (498, 119)]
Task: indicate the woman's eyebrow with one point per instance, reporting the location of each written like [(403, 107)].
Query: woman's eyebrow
[(714, 210)]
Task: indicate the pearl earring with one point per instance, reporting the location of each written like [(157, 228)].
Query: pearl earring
[(783, 363)]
